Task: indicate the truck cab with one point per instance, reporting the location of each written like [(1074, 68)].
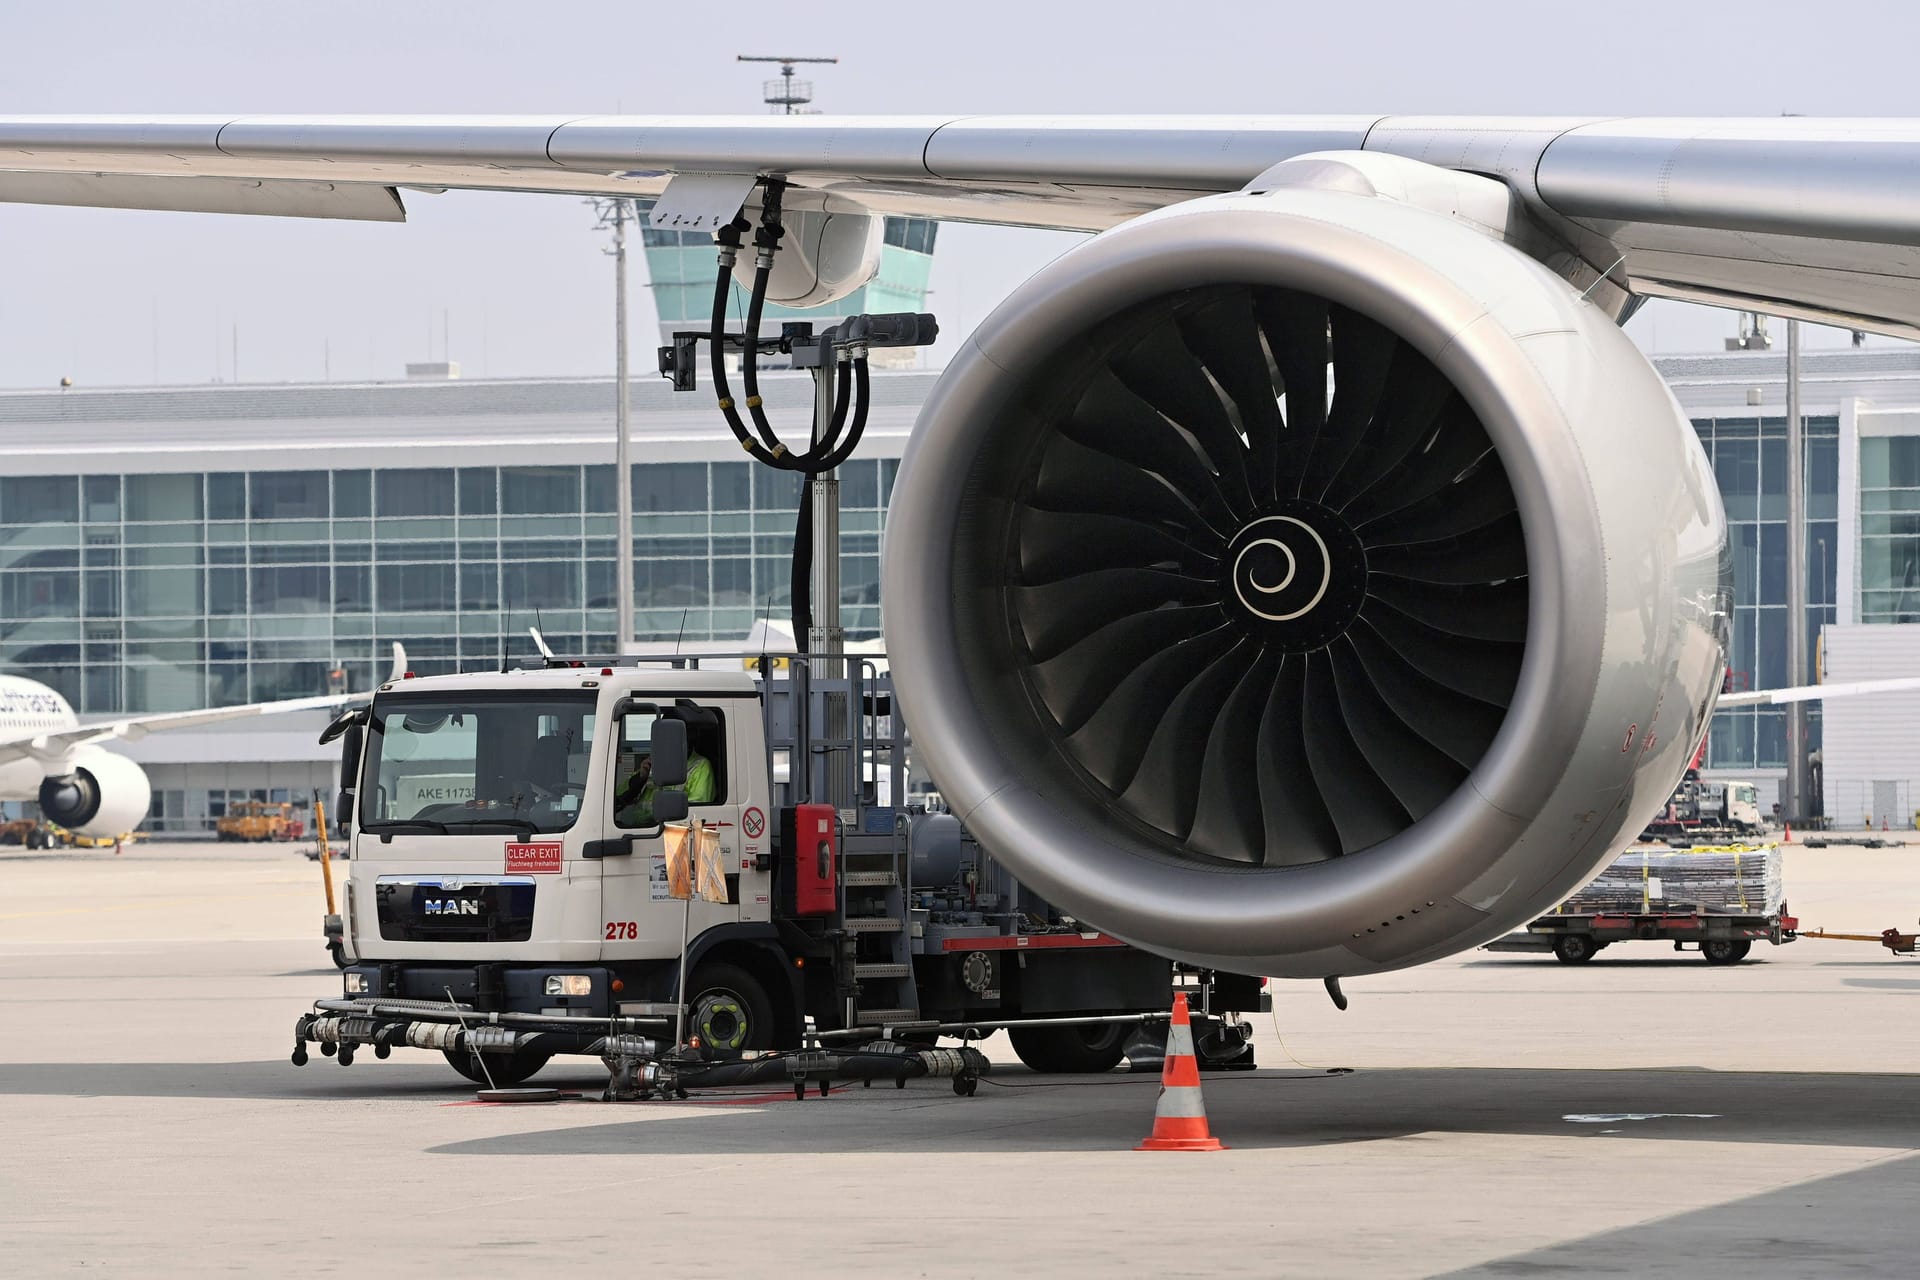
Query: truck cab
[(504, 848)]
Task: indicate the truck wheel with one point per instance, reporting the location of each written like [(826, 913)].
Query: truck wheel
[(1058, 1050), (1574, 948), (508, 1069), (1725, 950), (728, 1010)]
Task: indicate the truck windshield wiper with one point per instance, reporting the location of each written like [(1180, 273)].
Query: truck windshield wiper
[(524, 825), (406, 824)]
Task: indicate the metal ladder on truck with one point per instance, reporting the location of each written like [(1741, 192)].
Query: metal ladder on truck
[(873, 919), (839, 734)]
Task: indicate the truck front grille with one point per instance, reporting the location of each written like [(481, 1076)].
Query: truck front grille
[(455, 908)]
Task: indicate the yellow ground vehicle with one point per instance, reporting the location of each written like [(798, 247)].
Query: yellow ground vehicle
[(259, 820), (63, 836)]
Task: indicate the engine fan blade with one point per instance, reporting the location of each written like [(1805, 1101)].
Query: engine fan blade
[(1073, 477), (1295, 328), (1363, 807), (1490, 611), (1491, 553), (1364, 353), (1421, 394), (1166, 789), (1419, 774), (1110, 745), (1160, 369), (1115, 421), (1076, 682), (1225, 335), (1453, 509), (1299, 829), (1229, 821), (1455, 724), (1481, 669), (1444, 458), (1055, 615), (1060, 544)]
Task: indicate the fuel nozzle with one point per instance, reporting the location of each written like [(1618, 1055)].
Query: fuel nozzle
[(767, 236)]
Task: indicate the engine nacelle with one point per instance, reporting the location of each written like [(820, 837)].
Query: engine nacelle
[(104, 795), (1304, 583)]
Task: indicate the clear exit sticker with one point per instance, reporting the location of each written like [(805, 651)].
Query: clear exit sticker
[(535, 856)]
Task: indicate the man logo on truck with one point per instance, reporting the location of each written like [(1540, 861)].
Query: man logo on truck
[(450, 907)]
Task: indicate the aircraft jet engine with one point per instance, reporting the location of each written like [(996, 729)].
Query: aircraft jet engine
[(1306, 581), (102, 794)]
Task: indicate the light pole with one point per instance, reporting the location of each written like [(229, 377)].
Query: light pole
[(614, 214), (1796, 582)]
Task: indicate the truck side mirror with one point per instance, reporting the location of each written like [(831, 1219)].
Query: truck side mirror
[(669, 806), (341, 723), (669, 751), (352, 740)]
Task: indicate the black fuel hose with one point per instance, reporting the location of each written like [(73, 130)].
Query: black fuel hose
[(857, 1065), (828, 449)]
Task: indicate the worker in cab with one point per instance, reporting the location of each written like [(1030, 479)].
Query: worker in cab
[(633, 800)]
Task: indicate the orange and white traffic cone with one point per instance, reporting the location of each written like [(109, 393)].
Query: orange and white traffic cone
[(1789, 836), (1180, 1118)]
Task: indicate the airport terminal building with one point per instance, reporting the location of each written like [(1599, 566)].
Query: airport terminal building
[(1861, 411), (175, 547)]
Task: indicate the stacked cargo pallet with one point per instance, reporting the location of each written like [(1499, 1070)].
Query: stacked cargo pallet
[(1658, 880)]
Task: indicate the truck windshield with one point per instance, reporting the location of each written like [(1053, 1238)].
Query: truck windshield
[(456, 764)]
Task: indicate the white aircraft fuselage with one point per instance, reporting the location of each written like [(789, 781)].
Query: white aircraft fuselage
[(26, 706)]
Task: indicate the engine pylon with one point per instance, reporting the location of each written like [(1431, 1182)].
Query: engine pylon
[(1180, 1117)]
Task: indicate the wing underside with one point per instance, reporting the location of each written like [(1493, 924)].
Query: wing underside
[(1806, 217)]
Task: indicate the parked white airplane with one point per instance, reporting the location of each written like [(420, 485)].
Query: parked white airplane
[(48, 756)]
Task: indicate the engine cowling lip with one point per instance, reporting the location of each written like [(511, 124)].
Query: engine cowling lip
[(91, 796), (1297, 241)]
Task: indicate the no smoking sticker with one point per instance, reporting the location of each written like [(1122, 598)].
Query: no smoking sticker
[(753, 822)]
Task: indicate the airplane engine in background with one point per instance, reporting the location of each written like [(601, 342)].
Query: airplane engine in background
[(1305, 581), (104, 795)]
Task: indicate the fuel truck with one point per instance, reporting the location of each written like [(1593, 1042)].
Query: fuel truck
[(509, 897)]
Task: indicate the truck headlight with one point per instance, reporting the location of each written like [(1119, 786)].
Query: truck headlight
[(569, 984), (357, 984)]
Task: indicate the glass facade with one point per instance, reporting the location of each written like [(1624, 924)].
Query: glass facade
[(1890, 529), (165, 592), (1750, 461)]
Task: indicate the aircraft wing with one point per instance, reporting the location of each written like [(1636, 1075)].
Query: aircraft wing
[(1817, 692), (53, 747), (1795, 216)]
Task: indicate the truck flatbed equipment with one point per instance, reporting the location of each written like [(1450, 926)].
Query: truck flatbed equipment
[(1719, 900), (1720, 939)]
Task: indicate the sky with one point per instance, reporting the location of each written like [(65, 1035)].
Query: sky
[(518, 285)]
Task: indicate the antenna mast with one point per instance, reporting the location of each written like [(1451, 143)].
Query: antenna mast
[(786, 94)]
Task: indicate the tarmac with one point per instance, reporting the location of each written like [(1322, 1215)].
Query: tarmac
[(1501, 1115)]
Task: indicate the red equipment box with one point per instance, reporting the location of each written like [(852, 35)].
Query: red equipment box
[(809, 857)]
